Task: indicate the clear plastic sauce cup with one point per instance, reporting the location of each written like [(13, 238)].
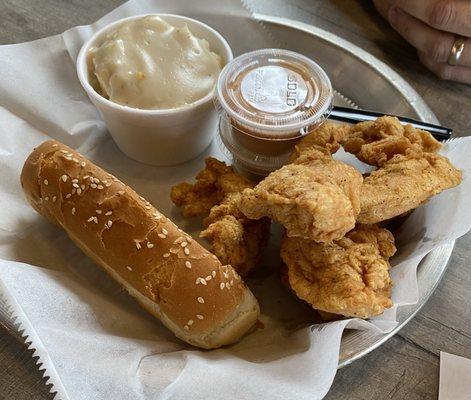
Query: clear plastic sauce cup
[(267, 100)]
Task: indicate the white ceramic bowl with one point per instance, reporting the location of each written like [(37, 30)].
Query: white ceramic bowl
[(159, 137)]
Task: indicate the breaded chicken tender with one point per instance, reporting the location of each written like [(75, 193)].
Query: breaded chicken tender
[(403, 183), (212, 184), (315, 197), (348, 277), (376, 142), (235, 239), (409, 172), (326, 138)]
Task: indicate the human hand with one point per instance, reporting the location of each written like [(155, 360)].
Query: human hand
[(433, 27)]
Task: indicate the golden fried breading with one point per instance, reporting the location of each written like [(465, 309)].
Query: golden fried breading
[(326, 138), (375, 142), (316, 197), (349, 277), (404, 183), (235, 239), (212, 185)]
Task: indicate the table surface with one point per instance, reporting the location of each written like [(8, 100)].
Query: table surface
[(407, 366)]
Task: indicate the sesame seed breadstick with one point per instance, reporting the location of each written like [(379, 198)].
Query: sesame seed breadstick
[(172, 276)]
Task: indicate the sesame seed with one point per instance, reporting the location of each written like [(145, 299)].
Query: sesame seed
[(166, 255), (200, 300), (46, 198), (109, 223), (67, 196), (190, 322), (64, 178), (64, 151), (186, 327), (99, 187), (161, 235), (54, 198), (183, 244), (201, 280), (82, 187), (46, 182), (227, 285), (213, 274), (75, 160), (215, 257), (164, 231), (75, 180), (86, 177), (121, 192), (150, 245), (186, 251), (82, 164), (142, 198), (232, 282), (73, 210), (55, 145), (129, 268), (79, 191), (90, 219), (108, 184), (209, 277), (188, 264), (178, 240), (199, 316), (98, 211), (221, 285), (93, 186), (108, 213), (174, 250), (138, 245), (75, 185)]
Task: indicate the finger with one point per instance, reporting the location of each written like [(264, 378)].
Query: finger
[(436, 44), (383, 6), (447, 72), (446, 15)]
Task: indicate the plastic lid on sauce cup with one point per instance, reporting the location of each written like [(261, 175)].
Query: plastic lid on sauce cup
[(270, 98)]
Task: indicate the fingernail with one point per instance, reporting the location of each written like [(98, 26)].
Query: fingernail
[(393, 15)]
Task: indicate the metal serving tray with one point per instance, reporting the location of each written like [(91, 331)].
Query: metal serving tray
[(360, 79)]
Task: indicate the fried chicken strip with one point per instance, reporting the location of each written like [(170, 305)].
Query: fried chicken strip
[(235, 239), (403, 183), (409, 172), (212, 184), (376, 142), (349, 277), (315, 197)]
